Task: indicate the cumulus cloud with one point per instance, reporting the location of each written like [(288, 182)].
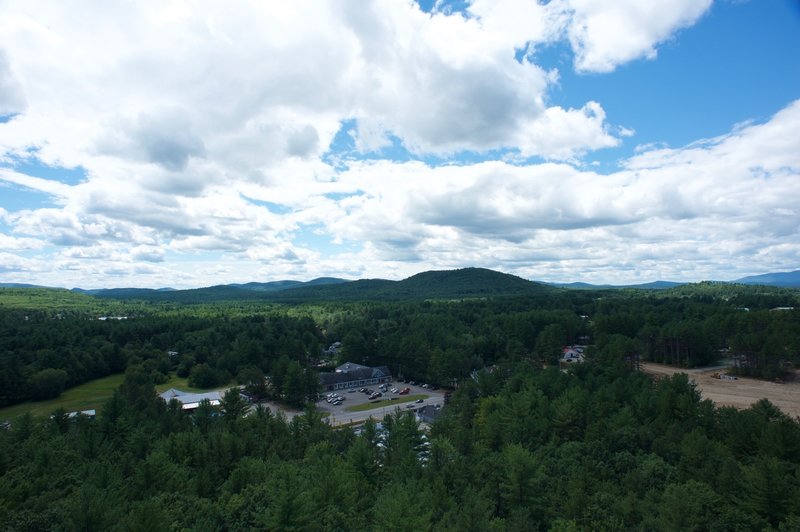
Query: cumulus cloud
[(12, 99), (208, 131), (605, 35), (10, 262), (681, 212), (11, 243), (242, 89), (166, 138), (565, 134)]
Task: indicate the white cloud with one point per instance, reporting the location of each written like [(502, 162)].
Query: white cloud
[(241, 89), (682, 213), (10, 243), (203, 129), (603, 34), (12, 100), (606, 34), (48, 186), (565, 134), (12, 263)]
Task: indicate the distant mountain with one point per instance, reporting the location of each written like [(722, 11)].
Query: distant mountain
[(361, 289), (122, 293), (226, 292), (451, 284), (468, 282), (655, 285), (276, 286), (271, 286), (782, 279), (447, 284)]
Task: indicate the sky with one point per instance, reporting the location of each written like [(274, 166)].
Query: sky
[(182, 144)]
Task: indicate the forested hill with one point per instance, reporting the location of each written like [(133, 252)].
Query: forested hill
[(451, 284), (784, 279), (227, 292), (448, 284)]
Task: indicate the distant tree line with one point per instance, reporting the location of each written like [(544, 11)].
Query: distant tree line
[(442, 342), (41, 355)]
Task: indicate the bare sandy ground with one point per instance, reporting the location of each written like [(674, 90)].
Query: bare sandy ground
[(740, 393)]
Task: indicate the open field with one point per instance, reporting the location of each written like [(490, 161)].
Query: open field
[(740, 393), (92, 394), (86, 396)]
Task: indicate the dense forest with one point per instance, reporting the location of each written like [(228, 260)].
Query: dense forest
[(522, 445), (522, 448), (43, 352)]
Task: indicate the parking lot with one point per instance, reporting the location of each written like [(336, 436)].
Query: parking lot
[(340, 412)]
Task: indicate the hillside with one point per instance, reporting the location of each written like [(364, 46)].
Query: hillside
[(773, 288), (446, 284), (43, 298), (655, 285), (253, 291), (782, 279), (277, 286)]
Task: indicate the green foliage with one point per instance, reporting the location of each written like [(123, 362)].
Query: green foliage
[(518, 447), (601, 448), (453, 284), (47, 383), (204, 376), (232, 405)]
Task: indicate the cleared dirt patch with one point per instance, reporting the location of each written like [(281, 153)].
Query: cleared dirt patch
[(740, 393)]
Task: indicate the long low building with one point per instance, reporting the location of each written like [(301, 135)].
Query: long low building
[(350, 375), (190, 401)]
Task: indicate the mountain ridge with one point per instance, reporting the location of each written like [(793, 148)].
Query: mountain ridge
[(782, 279), (462, 282), (435, 284)]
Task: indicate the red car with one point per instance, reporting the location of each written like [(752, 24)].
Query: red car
[(404, 391)]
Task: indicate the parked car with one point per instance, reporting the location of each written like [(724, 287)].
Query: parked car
[(404, 391)]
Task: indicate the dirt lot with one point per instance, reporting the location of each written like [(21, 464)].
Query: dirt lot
[(740, 393)]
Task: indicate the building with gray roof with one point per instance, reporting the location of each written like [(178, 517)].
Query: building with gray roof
[(350, 375)]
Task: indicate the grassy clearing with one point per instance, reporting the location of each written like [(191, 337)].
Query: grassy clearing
[(182, 384), (92, 394), (398, 400)]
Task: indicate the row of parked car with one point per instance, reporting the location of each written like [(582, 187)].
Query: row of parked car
[(420, 384), (371, 393), (334, 398)]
